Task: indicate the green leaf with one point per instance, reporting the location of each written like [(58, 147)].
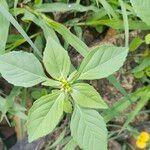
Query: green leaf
[(28, 16), (38, 2), (39, 43), (139, 74), (78, 32), (86, 96), (45, 115), (4, 23), (88, 129), (144, 64), (73, 40), (117, 24), (112, 79), (125, 21), (16, 42), (108, 8), (102, 62), (15, 6), (11, 19), (3, 109), (135, 43), (147, 71), (21, 69), (142, 102), (56, 59), (62, 7), (76, 43), (11, 97), (58, 140), (52, 83), (38, 92), (147, 39), (142, 10), (67, 106), (71, 145), (118, 107)]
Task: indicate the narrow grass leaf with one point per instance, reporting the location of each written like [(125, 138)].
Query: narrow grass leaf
[(62, 7), (4, 23), (112, 79), (11, 19), (28, 16), (117, 24), (144, 98), (110, 11), (74, 41), (126, 23), (118, 107)]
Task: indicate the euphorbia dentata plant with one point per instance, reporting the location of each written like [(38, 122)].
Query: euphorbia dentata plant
[(70, 95)]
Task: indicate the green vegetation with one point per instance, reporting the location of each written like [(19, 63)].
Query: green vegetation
[(52, 53)]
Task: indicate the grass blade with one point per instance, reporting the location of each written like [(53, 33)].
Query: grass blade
[(11, 19), (118, 107), (62, 7), (126, 23), (144, 98), (73, 40), (118, 86), (116, 24), (4, 28), (38, 21), (108, 8)]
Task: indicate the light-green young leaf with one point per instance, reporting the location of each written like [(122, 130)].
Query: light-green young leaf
[(142, 10), (4, 23), (67, 105), (44, 115), (88, 129), (102, 62), (56, 59), (71, 145), (86, 96), (21, 69), (52, 83)]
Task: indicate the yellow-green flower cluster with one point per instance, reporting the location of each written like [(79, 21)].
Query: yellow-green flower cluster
[(65, 85)]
